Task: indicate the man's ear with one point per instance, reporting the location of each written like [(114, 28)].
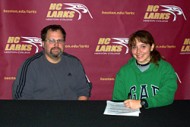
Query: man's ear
[(43, 44)]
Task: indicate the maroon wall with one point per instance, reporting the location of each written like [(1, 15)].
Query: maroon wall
[(97, 33)]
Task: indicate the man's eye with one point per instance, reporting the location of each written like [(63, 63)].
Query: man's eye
[(52, 41), (60, 41)]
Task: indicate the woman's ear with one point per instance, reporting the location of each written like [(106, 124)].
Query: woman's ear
[(152, 47)]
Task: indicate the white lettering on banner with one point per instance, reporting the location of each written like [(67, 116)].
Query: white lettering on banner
[(14, 46), (79, 8), (175, 10), (58, 12), (156, 14), (111, 46)]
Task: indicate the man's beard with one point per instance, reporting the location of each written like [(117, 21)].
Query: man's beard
[(57, 55)]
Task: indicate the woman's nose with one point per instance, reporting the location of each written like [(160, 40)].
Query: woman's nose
[(138, 50)]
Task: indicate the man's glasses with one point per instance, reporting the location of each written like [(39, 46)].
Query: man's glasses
[(53, 41)]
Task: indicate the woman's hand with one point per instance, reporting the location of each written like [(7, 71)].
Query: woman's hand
[(133, 104)]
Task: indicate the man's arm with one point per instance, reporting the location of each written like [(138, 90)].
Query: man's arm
[(23, 85)]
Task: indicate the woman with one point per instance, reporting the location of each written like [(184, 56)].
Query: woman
[(147, 80)]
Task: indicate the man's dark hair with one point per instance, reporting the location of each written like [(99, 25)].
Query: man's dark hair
[(53, 28)]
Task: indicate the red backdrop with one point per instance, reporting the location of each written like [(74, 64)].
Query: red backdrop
[(97, 33)]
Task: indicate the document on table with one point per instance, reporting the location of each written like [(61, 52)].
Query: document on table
[(118, 108)]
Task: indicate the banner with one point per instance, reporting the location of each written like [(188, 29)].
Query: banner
[(97, 33)]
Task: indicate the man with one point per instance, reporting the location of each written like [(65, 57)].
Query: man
[(52, 74)]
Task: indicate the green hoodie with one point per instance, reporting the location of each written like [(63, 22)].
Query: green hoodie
[(157, 85)]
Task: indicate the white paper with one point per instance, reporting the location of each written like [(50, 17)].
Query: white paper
[(118, 108)]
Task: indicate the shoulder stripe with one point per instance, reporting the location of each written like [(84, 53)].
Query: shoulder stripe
[(22, 79)]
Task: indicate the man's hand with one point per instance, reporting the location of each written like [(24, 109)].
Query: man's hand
[(82, 98)]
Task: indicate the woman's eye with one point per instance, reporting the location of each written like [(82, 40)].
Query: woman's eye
[(133, 47), (144, 46)]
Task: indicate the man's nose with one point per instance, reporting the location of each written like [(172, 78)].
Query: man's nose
[(56, 43)]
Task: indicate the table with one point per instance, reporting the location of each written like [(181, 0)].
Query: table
[(43, 113)]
